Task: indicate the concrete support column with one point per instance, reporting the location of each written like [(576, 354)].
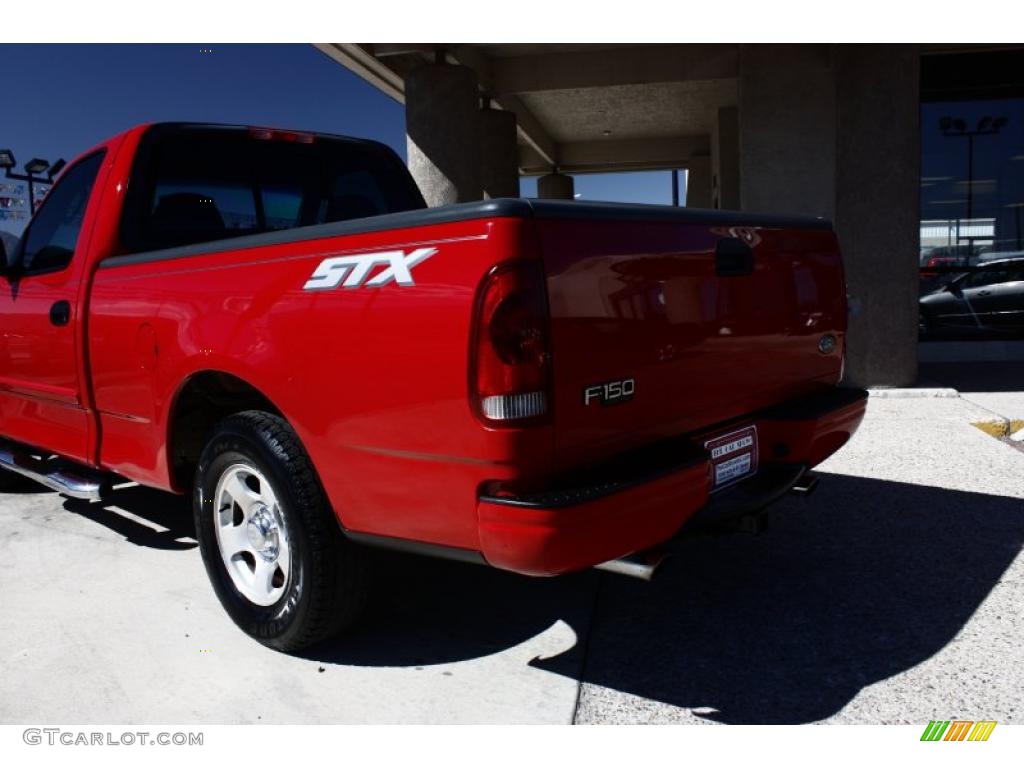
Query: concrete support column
[(556, 186), (833, 131), (499, 154), (698, 182), (725, 160), (787, 129), (877, 217), (443, 133)]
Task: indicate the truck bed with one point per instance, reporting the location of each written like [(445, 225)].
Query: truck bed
[(375, 381)]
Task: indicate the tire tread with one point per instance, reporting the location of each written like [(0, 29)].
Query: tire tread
[(339, 581)]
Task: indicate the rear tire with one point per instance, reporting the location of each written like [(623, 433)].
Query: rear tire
[(271, 544)]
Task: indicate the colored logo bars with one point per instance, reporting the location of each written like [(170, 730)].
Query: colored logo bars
[(958, 730)]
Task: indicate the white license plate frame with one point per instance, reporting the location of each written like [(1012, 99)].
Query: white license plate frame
[(733, 456)]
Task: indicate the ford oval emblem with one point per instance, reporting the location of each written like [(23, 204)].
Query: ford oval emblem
[(827, 344)]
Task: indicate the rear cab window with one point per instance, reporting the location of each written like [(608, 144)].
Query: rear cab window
[(194, 184)]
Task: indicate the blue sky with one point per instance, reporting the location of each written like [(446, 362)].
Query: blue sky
[(59, 100)]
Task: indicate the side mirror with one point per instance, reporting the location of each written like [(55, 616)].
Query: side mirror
[(3, 258), (955, 289)]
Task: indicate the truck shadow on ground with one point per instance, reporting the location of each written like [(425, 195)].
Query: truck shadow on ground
[(143, 516), (860, 582)]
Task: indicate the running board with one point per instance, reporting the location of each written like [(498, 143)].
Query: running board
[(56, 474)]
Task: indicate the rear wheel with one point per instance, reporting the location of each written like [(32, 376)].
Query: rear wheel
[(272, 548)]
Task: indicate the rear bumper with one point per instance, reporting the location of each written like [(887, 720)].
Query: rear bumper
[(641, 500)]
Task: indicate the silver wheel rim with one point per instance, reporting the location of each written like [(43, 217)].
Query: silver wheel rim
[(251, 536)]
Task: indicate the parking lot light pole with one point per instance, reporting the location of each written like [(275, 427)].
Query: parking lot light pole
[(34, 170), (1016, 215), (956, 127)]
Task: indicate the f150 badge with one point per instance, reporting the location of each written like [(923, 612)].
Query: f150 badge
[(610, 392), (354, 269)]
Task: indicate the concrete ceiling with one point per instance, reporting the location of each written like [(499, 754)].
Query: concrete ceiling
[(510, 50), (581, 107), (654, 110)]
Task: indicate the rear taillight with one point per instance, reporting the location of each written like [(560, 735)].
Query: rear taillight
[(511, 371)]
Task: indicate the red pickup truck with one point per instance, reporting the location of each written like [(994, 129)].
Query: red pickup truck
[(274, 322)]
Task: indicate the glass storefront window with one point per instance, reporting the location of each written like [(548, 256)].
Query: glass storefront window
[(972, 198)]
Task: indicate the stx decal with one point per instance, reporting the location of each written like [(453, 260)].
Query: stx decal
[(958, 730), (354, 269)]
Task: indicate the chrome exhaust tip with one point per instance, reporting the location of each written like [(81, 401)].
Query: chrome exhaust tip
[(806, 484), (640, 565)]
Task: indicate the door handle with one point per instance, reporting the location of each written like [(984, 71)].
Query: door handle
[(60, 313), (733, 258)]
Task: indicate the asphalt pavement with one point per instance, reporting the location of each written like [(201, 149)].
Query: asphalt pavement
[(893, 594)]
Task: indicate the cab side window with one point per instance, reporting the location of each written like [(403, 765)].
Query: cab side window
[(49, 244), (1012, 273)]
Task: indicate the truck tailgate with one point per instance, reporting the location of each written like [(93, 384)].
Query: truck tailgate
[(704, 337)]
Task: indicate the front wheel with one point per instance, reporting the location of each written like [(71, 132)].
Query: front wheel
[(271, 546)]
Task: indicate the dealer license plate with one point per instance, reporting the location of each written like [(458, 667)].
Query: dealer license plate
[(733, 457)]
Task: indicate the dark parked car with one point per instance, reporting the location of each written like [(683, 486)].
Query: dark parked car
[(988, 300), (945, 259), (986, 257)]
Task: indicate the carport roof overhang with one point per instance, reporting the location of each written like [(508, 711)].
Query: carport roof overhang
[(579, 107)]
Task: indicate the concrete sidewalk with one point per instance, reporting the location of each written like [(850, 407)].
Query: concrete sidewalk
[(894, 594), (989, 374)]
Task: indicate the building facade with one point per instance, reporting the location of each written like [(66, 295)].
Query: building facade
[(914, 152)]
